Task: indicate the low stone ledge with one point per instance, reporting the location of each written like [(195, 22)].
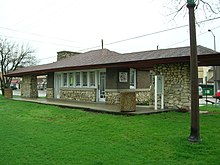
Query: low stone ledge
[(8, 93), (127, 101)]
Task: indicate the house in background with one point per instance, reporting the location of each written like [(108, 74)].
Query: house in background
[(102, 75), (42, 82)]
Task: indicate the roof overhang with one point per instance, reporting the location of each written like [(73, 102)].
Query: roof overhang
[(140, 63)]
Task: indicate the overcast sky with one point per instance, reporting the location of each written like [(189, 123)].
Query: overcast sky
[(78, 25)]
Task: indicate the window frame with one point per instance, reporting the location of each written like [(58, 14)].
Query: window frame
[(63, 81), (77, 75), (92, 78), (133, 86), (78, 85)]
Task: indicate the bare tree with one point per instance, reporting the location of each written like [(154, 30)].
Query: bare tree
[(13, 56), (204, 8)]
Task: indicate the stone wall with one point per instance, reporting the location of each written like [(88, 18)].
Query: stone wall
[(29, 86), (50, 93), (86, 94), (143, 96), (8, 93), (176, 85), (112, 96)]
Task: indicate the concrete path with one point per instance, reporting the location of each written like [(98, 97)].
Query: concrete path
[(95, 107)]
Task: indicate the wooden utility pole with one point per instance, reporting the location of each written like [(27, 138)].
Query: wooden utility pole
[(195, 127)]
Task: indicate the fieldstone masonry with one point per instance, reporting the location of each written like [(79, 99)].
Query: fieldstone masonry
[(29, 86), (128, 101), (50, 93), (112, 96), (176, 86), (86, 95), (8, 93)]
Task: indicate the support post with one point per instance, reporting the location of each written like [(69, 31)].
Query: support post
[(155, 93), (195, 127), (162, 94)]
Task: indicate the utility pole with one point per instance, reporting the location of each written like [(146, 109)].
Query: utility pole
[(195, 127)]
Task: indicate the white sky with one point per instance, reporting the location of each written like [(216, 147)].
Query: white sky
[(81, 24)]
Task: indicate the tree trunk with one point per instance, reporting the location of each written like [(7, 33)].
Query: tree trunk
[(3, 91)]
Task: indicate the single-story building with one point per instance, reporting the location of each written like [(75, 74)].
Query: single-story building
[(101, 75)]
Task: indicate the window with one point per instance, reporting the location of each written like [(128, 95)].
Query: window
[(64, 79), (71, 79), (79, 79), (78, 82), (132, 78), (84, 74), (92, 79)]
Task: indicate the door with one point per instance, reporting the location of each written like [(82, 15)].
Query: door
[(102, 85), (57, 86)]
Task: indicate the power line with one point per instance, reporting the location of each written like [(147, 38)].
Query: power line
[(59, 10), (51, 43), (37, 34), (115, 42), (144, 35), (35, 13), (188, 38), (132, 38), (166, 46)]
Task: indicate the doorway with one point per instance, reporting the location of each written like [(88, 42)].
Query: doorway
[(57, 85), (102, 85)]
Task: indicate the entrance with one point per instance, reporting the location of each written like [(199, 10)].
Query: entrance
[(159, 90), (57, 86), (102, 85)]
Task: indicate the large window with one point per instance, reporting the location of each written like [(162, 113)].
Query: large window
[(92, 79), (64, 79), (79, 79), (85, 79), (78, 82), (132, 78)]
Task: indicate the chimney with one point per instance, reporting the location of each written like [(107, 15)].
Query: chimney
[(65, 54)]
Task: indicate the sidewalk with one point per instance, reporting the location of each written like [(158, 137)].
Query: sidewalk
[(95, 107)]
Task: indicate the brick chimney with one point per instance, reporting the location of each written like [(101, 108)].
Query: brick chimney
[(65, 54)]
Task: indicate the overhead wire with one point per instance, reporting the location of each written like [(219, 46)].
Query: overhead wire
[(30, 26), (37, 34), (53, 2), (188, 38), (166, 46), (123, 40), (148, 34), (42, 42)]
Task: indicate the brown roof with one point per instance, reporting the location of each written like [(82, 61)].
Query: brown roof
[(106, 58)]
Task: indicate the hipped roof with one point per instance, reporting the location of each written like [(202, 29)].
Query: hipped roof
[(104, 58)]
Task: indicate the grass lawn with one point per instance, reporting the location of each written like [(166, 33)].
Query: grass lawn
[(39, 134)]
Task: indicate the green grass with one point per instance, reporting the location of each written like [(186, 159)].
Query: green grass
[(40, 134), (210, 108)]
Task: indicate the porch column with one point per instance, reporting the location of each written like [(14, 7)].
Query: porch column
[(50, 86), (29, 86)]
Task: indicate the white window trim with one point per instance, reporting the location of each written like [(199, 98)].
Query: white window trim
[(87, 77), (95, 74), (80, 77), (96, 71), (135, 78)]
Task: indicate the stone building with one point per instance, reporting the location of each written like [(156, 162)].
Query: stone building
[(102, 75)]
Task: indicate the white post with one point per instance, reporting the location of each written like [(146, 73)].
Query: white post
[(162, 94), (155, 93)]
